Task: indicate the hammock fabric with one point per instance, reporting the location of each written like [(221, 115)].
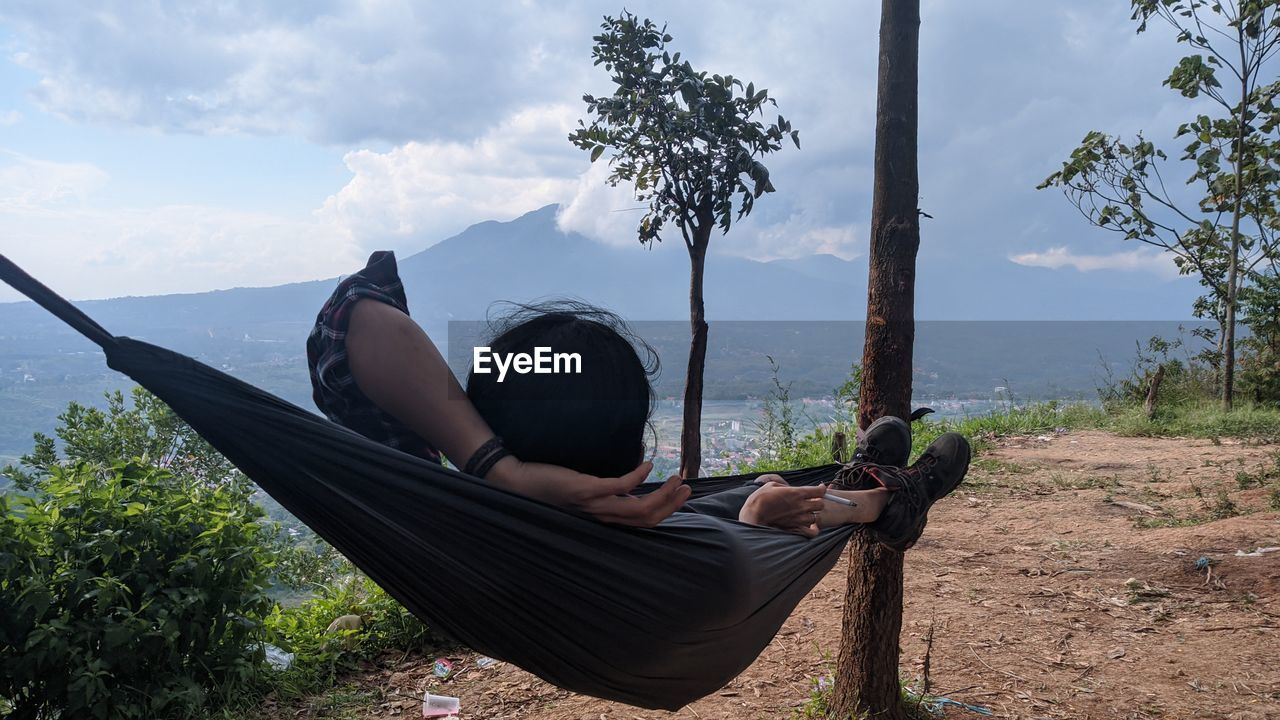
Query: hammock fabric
[(653, 617)]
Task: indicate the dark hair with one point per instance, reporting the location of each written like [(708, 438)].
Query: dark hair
[(593, 421)]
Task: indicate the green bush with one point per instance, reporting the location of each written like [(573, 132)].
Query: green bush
[(1188, 378), (320, 655), (143, 588), (1194, 379), (146, 428), (129, 592), (1259, 364), (1260, 351)]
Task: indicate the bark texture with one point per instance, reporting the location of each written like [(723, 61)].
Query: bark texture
[(691, 427), (1153, 393), (867, 669)]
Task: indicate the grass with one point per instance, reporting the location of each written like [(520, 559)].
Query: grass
[(1190, 419), (1193, 419), (1151, 523), (343, 702), (1221, 508), (1261, 476), (818, 704), (988, 473), (1201, 420), (1039, 418)]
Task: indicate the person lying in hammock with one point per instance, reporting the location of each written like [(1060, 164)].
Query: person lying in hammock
[(577, 440)]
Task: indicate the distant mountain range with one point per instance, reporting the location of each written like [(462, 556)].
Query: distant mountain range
[(258, 333), (460, 278), (529, 257)]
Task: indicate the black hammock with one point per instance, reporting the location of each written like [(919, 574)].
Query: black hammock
[(653, 617)]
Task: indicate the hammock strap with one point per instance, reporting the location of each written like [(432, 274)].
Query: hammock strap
[(54, 303)]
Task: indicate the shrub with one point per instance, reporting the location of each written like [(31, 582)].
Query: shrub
[(1260, 371), (143, 588), (1189, 378), (1260, 350), (320, 655), (130, 592), (777, 425)]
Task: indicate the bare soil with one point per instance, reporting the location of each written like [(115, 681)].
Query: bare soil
[(1075, 575)]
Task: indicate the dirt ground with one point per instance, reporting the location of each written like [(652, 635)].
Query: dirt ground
[(1075, 575)]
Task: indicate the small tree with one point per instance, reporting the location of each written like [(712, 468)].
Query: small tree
[(1225, 237), (133, 571), (148, 429), (690, 143)]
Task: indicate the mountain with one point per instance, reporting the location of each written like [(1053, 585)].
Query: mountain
[(530, 258), (459, 278), (259, 333)]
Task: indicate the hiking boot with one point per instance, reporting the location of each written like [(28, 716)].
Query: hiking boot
[(887, 441), (938, 471)]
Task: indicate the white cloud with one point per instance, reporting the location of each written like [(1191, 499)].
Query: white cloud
[(611, 215), (32, 184), (401, 70), (429, 191), (10, 117), (797, 237), (1142, 260), (602, 212), (56, 231), (448, 116), (395, 70)]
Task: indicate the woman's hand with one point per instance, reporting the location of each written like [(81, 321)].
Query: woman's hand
[(604, 498), (778, 505)]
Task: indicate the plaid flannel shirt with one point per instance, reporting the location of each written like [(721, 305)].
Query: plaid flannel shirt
[(333, 387)]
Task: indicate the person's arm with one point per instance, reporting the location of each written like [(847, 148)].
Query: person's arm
[(397, 366)]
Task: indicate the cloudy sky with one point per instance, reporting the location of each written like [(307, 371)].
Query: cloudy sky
[(151, 147)]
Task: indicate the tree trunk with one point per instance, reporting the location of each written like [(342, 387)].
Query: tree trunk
[(867, 668), (1153, 393), (1229, 337), (1233, 263), (1222, 339), (691, 431)]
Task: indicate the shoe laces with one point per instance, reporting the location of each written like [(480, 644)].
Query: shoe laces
[(852, 473), (904, 482), (907, 484)]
